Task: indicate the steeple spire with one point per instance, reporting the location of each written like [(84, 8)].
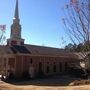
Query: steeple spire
[(16, 16), (15, 37)]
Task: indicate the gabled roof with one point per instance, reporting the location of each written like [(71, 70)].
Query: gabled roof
[(42, 50), (36, 50), (19, 49)]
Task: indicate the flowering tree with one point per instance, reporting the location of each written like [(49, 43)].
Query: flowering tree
[(77, 22)]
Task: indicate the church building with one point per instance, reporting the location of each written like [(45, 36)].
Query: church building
[(19, 58)]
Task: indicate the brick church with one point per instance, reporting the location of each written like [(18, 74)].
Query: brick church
[(18, 58)]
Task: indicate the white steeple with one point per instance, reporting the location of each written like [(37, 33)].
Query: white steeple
[(15, 36)]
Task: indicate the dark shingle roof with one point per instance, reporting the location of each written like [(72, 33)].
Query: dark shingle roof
[(19, 49)]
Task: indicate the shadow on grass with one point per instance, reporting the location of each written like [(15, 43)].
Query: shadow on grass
[(47, 81)]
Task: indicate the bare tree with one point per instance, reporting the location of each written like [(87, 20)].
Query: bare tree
[(77, 22), (2, 34), (2, 42)]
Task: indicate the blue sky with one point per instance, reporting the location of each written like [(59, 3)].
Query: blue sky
[(41, 21)]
